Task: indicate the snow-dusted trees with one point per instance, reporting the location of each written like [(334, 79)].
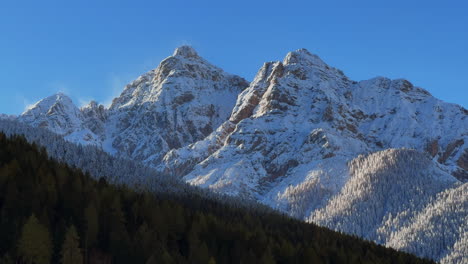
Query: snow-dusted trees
[(399, 198), (396, 197), (140, 227), (91, 159)]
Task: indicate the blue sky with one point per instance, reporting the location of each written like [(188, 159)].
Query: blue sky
[(91, 49)]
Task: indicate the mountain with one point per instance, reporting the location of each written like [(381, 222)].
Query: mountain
[(7, 117), (380, 158), (427, 217), (40, 199), (58, 114), (301, 110), (180, 102)]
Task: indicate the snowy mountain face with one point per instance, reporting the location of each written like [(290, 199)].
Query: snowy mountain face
[(300, 111), (427, 217), (181, 101), (56, 112), (379, 158), (7, 117)]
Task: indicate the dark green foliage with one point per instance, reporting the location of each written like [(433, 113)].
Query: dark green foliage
[(118, 225), (34, 244), (71, 252)]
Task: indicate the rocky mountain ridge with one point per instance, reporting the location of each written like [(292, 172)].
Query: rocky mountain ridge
[(181, 101), (301, 137), (188, 95)]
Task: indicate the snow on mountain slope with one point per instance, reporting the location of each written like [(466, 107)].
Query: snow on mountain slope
[(181, 101), (302, 111), (402, 199), (294, 130), (368, 197), (178, 103), (442, 224), (7, 117), (459, 252), (302, 138), (94, 117), (58, 114)]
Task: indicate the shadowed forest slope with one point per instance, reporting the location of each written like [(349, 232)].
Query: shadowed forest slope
[(50, 212)]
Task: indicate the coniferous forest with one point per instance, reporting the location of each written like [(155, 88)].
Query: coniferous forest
[(51, 213)]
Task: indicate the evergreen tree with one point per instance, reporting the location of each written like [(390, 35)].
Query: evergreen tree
[(161, 257), (6, 259), (126, 226), (200, 253), (71, 252), (118, 235), (35, 245), (92, 225)]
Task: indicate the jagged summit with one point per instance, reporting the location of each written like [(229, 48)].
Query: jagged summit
[(181, 101), (303, 56), (56, 112), (47, 103), (92, 104), (7, 117), (286, 139), (185, 51), (182, 73)]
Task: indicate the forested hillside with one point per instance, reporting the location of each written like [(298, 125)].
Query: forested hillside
[(51, 213), (291, 139), (92, 160)]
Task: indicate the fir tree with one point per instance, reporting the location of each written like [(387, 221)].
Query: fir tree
[(35, 245), (71, 252), (92, 225)]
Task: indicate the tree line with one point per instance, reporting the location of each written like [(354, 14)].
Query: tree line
[(52, 213)]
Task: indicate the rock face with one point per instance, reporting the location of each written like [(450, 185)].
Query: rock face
[(463, 160), (301, 111), (56, 112), (301, 137), (292, 137), (181, 101), (7, 117)]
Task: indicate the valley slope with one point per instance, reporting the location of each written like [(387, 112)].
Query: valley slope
[(380, 158)]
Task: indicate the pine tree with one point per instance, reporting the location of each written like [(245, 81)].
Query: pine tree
[(200, 253), (168, 228), (35, 245), (6, 259), (119, 242), (92, 225), (161, 257), (71, 252)]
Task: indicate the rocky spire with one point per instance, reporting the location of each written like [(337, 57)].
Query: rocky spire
[(185, 51)]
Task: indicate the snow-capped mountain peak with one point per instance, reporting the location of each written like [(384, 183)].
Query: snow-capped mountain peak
[(185, 51), (301, 137), (46, 104), (56, 112), (179, 75), (181, 101), (91, 105), (304, 57)]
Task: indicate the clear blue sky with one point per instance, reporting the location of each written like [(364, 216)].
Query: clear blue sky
[(90, 50)]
